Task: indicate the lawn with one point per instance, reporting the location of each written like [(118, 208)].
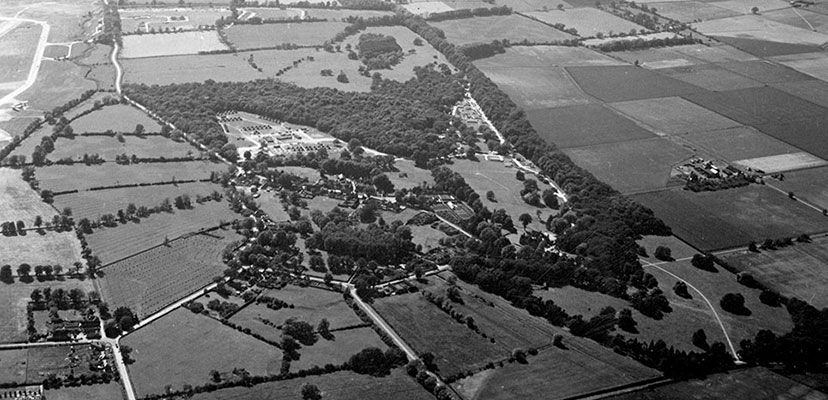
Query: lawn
[(124, 240), (171, 44), (691, 11), (343, 385), (546, 56), (427, 237), (588, 22), (18, 202), (157, 278), (796, 271), (17, 47), (711, 77), (269, 203), (270, 35), (810, 185), (119, 118), (40, 249), (584, 125), (514, 28), (631, 166), (622, 83), (13, 300), (337, 351), (110, 391), (733, 217), (536, 87), (81, 177), (108, 147), (673, 116), (179, 359)]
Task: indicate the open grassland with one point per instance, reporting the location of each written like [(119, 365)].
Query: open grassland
[(57, 83), (692, 11), (536, 87), (17, 47), (26, 148), (56, 51), (745, 8), (673, 116), (810, 185), (631, 166), (81, 177), (15, 297), (118, 118), (795, 271), (512, 27), (269, 203), (40, 249), (270, 35), (171, 44), (124, 240), (93, 204), (740, 143), (13, 365), (111, 391), (310, 305), (623, 83), (150, 281), (711, 77), (427, 7), (19, 202), (531, 5), (715, 54), (179, 359), (584, 125), (733, 217), (275, 13), (70, 20), (158, 20), (338, 350), (813, 64), (546, 56), (343, 385), (588, 22), (108, 147), (35, 364)]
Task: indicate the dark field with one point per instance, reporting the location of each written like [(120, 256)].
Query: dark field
[(815, 91), (765, 72), (584, 125), (739, 144), (766, 48), (808, 133), (757, 106), (810, 185), (624, 83), (711, 77)]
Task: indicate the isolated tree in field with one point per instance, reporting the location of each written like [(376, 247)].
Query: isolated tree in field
[(324, 328), (525, 219), (418, 42), (120, 137), (734, 303), (663, 253), (700, 339), (754, 10), (680, 289), (491, 196), (703, 262), (311, 392), (342, 78)]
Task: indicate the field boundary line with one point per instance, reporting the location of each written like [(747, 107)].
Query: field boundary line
[(621, 389), (182, 236)]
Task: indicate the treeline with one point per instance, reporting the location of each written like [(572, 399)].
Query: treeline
[(469, 13), (640, 43), (384, 245), (111, 33)]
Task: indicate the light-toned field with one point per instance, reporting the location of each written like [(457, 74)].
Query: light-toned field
[(13, 365), (57, 83), (532, 5), (658, 58), (275, 13), (758, 28), (587, 21), (427, 7), (56, 51), (711, 77), (338, 15), (336, 351), (783, 162), (413, 176), (108, 147), (18, 202), (744, 8), (27, 146), (692, 11), (70, 20), (179, 359), (810, 19), (814, 91), (94, 392), (69, 177), (270, 35), (17, 48), (536, 87), (673, 116), (119, 118), (49, 248), (170, 44), (513, 27), (13, 301), (739, 143), (810, 185), (715, 54), (426, 236), (144, 20), (813, 64)]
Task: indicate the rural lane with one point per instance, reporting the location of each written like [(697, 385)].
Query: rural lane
[(119, 73)]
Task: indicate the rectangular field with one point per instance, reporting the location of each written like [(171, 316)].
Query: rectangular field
[(623, 83), (587, 21), (813, 64), (513, 27), (338, 350), (760, 36), (765, 72), (814, 91), (673, 116), (158, 20), (739, 143), (810, 185), (40, 249), (118, 118), (178, 359), (17, 46), (783, 162), (692, 11), (659, 58), (81, 177), (270, 35), (171, 44), (152, 280), (108, 147), (546, 56), (536, 87), (13, 301), (711, 77), (585, 125), (110, 390), (18, 201)]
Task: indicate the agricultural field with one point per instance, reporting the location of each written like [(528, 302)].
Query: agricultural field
[(37, 248), (692, 11), (532, 5), (588, 22), (782, 162), (109, 147), (673, 116), (125, 240), (813, 64), (338, 350), (14, 298), (578, 126), (17, 44), (270, 35), (337, 15), (170, 44), (118, 118), (343, 385), (794, 271), (766, 72), (546, 56), (623, 83), (733, 217), (57, 83), (159, 20), (814, 91), (659, 58), (81, 177), (760, 36), (741, 143), (272, 13), (514, 28), (13, 365), (536, 87), (810, 185), (810, 19), (427, 7), (93, 204), (152, 280), (56, 51), (178, 359), (712, 77), (18, 202), (111, 391)]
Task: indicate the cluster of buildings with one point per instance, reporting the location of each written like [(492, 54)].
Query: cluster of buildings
[(469, 114), (699, 169), (23, 393)]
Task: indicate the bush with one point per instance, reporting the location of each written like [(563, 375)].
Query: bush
[(663, 253), (704, 262), (770, 298), (734, 303), (680, 289)]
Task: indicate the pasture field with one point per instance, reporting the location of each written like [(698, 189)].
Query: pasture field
[(13, 365), (277, 13), (810, 185), (679, 249), (146, 20), (463, 4), (270, 35), (14, 298), (113, 244), (179, 359), (513, 27), (623, 83), (658, 58), (765, 72), (110, 390), (691, 11), (536, 87), (757, 106), (426, 328), (427, 7), (337, 351), (57, 83), (484, 175), (93, 204), (40, 249), (310, 305), (343, 385), (795, 271), (715, 54), (711, 77), (340, 14), (759, 36), (18, 201), (814, 91), (733, 217), (17, 47), (81, 177), (813, 64), (26, 148), (783, 162), (585, 125), (744, 8), (108, 147), (532, 5), (152, 280), (119, 118), (587, 21), (413, 176), (631, 166), (545, 56), (171, 44), (56, 51), (673, 116)]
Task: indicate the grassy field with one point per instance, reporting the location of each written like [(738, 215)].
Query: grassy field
[(178, 359), (587, 21), (659, 57), (57, 83), (152, 280), (15, 297), (691, 11), (119, 118), (269, 203), (26, 148), (342, 385), (413, 176), (337, 351), (56, 51), (49, 248), (623, 83), (679, 249), (113, 244), (818, 21), (733, 217), (796, 271), (111, 391), (513, 27), (13, 365), (17, 47), (631, 166), (545, 56), (427, 237), (69, 177), (427, 7), (585, 125), (69, 19), (142, 20), (783, 162), (739, 144), (18, 202), (673, 116), (765, 72), (170, 44), (810, 185), (711, 77), (338, 15), (109, 147), (33, 365), (536, 87), (270, 35), (759, 36), (813, 64)]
